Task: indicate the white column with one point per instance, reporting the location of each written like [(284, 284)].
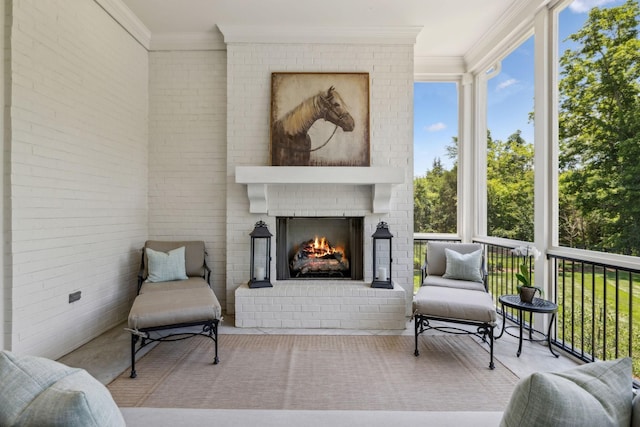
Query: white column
[(467, 226), (545, 158)]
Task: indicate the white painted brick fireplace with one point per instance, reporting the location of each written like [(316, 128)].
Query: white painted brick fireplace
[(351, 304), (345, 304)]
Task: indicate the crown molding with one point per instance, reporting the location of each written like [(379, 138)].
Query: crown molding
[(313, 35), (438, 67), (129, 21), (188, 41), (517, 21)]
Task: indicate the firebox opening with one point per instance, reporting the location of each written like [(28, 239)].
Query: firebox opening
[(319, 248)]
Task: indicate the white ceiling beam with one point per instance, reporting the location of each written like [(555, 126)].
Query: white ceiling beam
[(399, 35)]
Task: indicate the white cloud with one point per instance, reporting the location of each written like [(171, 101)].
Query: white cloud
[(436, 127), (505, 84), (582, 6)]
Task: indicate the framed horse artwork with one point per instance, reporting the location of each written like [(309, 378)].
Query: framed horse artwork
[(320, 119)]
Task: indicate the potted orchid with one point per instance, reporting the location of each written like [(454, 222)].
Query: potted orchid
[(526, 288)]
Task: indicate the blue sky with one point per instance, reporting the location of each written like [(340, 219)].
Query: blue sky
[(510, 97)]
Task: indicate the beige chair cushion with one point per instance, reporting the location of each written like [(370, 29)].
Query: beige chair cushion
[(436, 258), (453, 283), (453, 303), (172, 307), (190, 283), (193, 254)]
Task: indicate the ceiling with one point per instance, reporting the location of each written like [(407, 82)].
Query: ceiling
[(450, 27)]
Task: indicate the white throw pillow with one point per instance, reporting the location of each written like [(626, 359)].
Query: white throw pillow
[(463, 266), (165, 267)]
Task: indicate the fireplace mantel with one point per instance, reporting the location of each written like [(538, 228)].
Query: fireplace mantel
[(380, 178)]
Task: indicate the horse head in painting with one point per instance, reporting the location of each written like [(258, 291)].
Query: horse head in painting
[(290, 142)]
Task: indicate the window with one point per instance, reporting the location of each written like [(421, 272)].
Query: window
[(510, 146), (599, 130), (435, 157)]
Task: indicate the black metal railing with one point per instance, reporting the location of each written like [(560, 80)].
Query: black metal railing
[(598, 302)]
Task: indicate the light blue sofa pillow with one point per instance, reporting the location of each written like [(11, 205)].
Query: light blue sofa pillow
[(597, 394), (36, 391), (463, 266), (166, 266)]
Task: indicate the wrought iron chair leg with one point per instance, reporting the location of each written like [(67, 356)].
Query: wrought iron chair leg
[(134, 340), (417, 321), (214, 329), (491, 364)]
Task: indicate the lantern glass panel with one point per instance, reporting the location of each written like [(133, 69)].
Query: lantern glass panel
[(261, 258), (383, 259)]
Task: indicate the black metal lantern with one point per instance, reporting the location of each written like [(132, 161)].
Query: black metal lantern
[(382, 258), (260, 256)]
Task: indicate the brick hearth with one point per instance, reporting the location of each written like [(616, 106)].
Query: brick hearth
[(325, 304)]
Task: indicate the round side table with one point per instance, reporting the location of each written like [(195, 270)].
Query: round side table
[(537, 306)]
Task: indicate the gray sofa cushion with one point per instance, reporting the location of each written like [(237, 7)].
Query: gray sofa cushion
[(35, 391), (453, 303), (436, 258), (190, 283), (453, 283), (595, 394), (173, 307)]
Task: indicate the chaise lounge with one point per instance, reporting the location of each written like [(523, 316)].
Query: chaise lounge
[(454, 291), (174, 291)]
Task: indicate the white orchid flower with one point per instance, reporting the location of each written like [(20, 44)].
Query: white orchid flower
[(534, 252), (526, 251), (519, 251)]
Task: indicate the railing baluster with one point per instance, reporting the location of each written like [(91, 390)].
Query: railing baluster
[(582, 310), (631, 353), (617, 321)]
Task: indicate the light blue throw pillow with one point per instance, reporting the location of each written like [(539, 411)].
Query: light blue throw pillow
[(165, 267), (463, 266), (596, 394), (35, 391)]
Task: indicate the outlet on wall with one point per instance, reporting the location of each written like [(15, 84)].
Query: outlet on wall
[(74, 296)]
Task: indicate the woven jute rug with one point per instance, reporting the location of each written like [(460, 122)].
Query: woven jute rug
[(317, 372)]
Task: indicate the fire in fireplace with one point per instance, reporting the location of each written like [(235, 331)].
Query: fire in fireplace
[(318, 257), (319, 247)]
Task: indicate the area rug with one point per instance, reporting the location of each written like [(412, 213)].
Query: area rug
[(318, 372)]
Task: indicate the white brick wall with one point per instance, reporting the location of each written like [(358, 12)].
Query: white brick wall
[(78, 172), (391, 137), (187, 148)]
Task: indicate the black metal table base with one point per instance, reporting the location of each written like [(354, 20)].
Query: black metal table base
[(530, 329)]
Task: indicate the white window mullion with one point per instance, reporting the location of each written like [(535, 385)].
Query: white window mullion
[(466, 225), (479, 168)]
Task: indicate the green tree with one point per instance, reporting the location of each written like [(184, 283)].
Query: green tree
[(435, 197), (599, 122), (510, 188)]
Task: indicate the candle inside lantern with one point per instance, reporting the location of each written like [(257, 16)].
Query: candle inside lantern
[(382, 274), (259, 273)]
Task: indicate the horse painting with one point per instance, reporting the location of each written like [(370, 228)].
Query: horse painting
[(290, 142)]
